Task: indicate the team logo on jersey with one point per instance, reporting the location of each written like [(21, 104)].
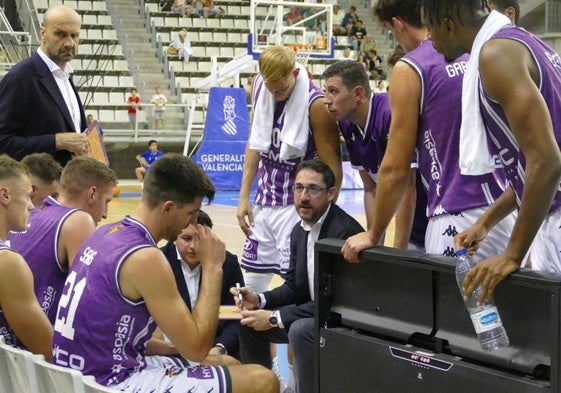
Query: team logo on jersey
[(450, 231), (114, 228), (449, 252), (435, 166), (173, 371)]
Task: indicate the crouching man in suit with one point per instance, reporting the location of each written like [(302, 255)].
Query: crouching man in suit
[(286, 314), (185, 264)]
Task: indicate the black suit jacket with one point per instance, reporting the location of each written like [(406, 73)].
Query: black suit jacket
[(293, 297), (32, 111), (227, 330)]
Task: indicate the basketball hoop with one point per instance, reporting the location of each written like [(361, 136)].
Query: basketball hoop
[(302, 53)]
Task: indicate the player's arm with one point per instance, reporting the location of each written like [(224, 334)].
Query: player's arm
[(20, 307), (146, 275), (250, 166), (369, 186), (510, 76), (472, 237), (326, 138), (157, 345), (394, 173), (406, 213), (245, 211), (77, 228)]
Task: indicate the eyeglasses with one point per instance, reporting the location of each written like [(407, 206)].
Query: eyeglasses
[(312, 190)]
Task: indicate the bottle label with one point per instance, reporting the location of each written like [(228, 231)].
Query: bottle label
[(486, 319)]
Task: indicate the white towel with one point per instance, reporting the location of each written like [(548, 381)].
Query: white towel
[(294, 135), (475, 158)]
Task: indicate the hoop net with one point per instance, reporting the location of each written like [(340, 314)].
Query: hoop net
[(302, 53)]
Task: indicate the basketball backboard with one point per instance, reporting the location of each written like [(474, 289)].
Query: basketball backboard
[(305, 27)]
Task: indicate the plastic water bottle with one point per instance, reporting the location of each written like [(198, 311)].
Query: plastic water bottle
[(485, 318)]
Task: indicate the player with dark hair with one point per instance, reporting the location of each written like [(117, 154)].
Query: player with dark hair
[(515, 87)]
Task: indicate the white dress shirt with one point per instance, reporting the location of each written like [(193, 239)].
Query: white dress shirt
[(62, 80)]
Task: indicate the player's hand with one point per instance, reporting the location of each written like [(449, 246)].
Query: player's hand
[(78, 144), (210, 249), (245, 210), (256, 319), (471, 238), (356, 244), (488, 273)]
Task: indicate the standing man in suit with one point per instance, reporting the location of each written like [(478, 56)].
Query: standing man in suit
[(286, 313), (40, 110), (186, 266)]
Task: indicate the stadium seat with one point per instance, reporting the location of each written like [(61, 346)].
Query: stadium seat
[(91, 386), (17, 373), (54, 378)]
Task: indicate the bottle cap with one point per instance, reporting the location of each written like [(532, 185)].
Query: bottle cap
[(461, 251)]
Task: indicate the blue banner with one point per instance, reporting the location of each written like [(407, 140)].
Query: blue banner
[(222, 150)]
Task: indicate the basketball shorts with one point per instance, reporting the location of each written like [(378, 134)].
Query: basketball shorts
[(442, 229), (168, 375), (545, 252), (267, 248)]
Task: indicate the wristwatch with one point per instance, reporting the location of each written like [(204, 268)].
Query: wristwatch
[(221, 349), (274, 319)]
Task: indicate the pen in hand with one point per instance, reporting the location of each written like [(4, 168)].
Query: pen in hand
[(240, 296)]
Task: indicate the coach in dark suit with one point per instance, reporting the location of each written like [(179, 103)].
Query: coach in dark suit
[(226, 340), (40, 110), (286, 313)]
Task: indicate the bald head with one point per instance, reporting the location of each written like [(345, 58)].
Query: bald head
[(60, 34)]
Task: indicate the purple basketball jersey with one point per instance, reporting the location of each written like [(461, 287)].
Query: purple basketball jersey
[(502, 141), (97, 330), (367, 148), (38, 246), (276, 176), (438, 136)]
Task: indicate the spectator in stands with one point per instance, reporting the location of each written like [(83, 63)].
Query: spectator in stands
[(146, 159), (90, 119), (210, 9), (40, 109), (159, 100), (338, 16), (22, 322), (45, 174), (367, 45), (395, 55), (181, 46), (134, 104), (347, 54), (350, 19), (57, 230), (286, 313), (130, 286), (358, 33), (186, 267), (380, 86), (178, 7), (375, 65), (294, 15)]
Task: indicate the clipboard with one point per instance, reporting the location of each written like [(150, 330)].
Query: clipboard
[(96, 144), (229, 312)]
